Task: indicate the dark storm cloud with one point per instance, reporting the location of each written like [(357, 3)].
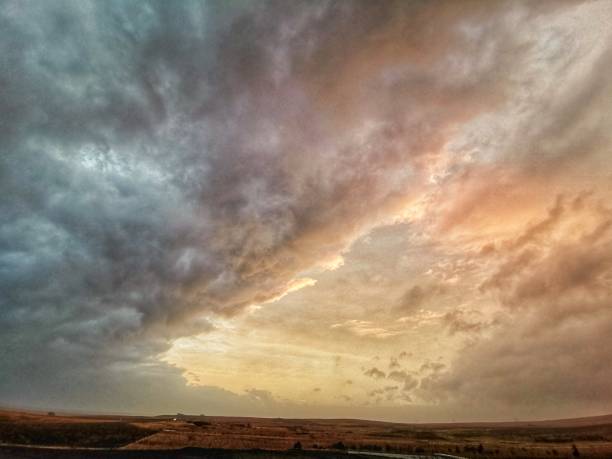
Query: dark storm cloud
[(167, 160)]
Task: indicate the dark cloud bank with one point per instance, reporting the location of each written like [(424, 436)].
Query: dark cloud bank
[(163, 163)]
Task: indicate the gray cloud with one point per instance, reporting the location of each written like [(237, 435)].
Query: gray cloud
[(398, 375), (464, 321), (547, 353), (375, 373), (419, 295), (409, 381), (558, 370)]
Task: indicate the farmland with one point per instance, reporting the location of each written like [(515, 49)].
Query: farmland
[(22, 434)]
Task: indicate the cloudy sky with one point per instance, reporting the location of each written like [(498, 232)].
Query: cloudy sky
[(388, 210)]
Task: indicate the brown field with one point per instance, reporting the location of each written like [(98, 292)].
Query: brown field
[(131, 436)]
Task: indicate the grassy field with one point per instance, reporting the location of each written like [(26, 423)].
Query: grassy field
[(589, 437)]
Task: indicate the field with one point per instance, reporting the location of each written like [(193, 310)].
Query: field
[(22, 434)]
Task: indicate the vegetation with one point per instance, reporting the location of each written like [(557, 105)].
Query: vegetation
[(329, 439), (86, 434)]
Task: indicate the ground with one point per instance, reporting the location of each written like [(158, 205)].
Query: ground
[(38, 435)]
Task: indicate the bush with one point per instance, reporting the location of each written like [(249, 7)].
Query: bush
[(338, 445)]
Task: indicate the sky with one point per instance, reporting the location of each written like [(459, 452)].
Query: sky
[(383, 210)]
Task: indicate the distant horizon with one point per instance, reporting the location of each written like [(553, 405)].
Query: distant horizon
[(60, 412)]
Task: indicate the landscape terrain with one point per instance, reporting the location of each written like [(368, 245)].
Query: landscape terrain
[(38, 435)]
